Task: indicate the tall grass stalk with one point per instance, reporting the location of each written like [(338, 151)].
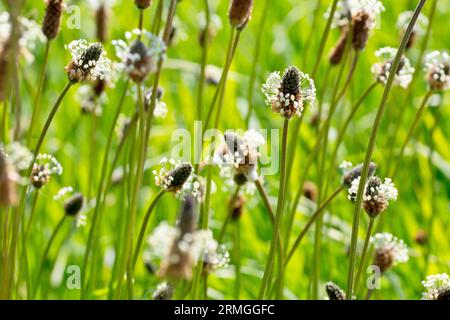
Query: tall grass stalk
[(46, 252), (98, 200), (364, 252), (37, 99), (203, 60), (278, 216), (407, 101), (371, 147), (255, 60)]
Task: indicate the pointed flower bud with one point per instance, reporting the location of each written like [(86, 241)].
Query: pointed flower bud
[(164, 291), (240, 12), (334, 292), (73, 205), (52, 19)]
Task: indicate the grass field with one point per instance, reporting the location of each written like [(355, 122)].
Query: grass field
[(290, 36)]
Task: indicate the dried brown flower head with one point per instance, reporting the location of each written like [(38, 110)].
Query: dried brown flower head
[(240, 12), (8, 194), (310, 191), (338, 51), (52, 18), (143, 4), (73, 205), (236, 205), (361, 30)]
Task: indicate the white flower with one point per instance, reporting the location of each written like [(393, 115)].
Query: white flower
[(30, 33), (160, 106), (238, 156), (63, 192), (396, 247), (437, 67), (89, 61), (285, 99), (351, 8), (381, 69), (138, 58), (44, 167), (345, 165), (174, 176), (376, 194), (404, 19), (436, 285), (198, 246), (18, 155)]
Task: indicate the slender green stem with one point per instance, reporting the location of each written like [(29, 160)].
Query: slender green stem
[(228, 217), (411, 130), (256, 54), (45, 254), (157, 18), (141, 22), (144, 225), (310, 222), (417, 70), (36, 109), (279, 213), (324, 38), (371, 147), (237, 258), (223, 79), (204, 59), (343, 130), (364, 252), (98, 200), (265, 199), (49, 121)]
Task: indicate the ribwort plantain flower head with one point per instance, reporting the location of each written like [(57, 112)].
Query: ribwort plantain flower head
[(240, 12), (361, 14), (419, 28), (437, 287), (377, 194), (437, 68), (288, 94), (381, 70), (73, 205), (52, 18), (238, 157), (334, 292), (179, 252), (143, 4), (164, 291), (88, 63), (30, 34), (160, 110), (389, 250), (139, 57), (173, 177), (351, 172), (44, 167)]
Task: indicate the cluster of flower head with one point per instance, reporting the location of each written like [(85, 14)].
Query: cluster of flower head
[(238, 156), (389, 250), (164, 291), (88, 63), (381, 69), (352, 8), (160, 110), (437, 287), (288, 94), (173, 176), (437, 68), (30, 32), (404, 19), (139, 57), (376, 196), (43, 168), (185, 250), (18, 155)]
